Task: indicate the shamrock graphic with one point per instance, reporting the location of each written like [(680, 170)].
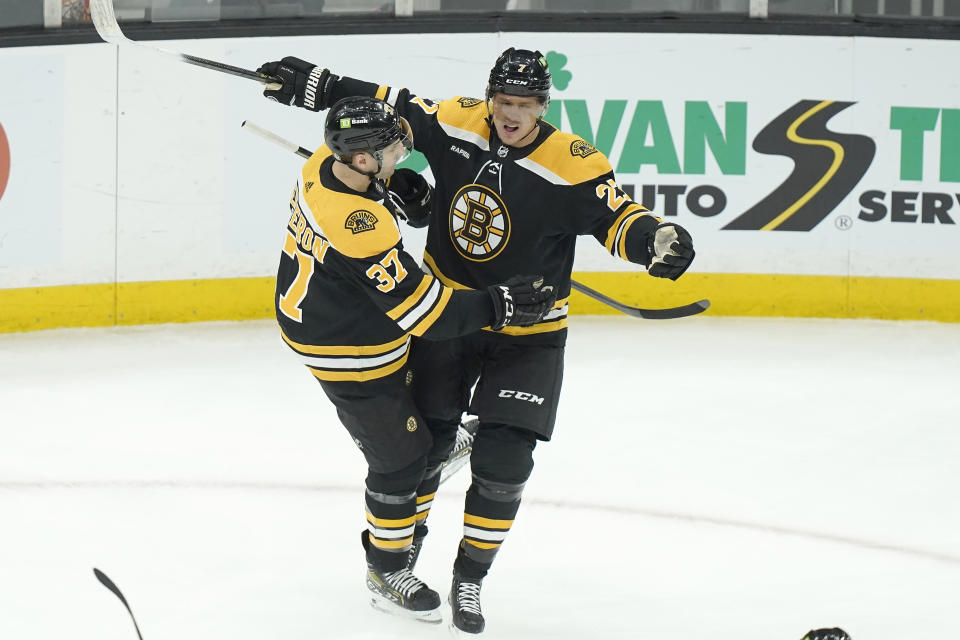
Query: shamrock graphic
[(561, 77)]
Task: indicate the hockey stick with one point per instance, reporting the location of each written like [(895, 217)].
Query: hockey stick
[(275, 139), (108, 583), (105, 22), (691, 309), (650, 314)]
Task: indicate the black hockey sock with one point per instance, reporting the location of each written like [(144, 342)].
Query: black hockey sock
[(425, 494), (390, 524), (487, 518)]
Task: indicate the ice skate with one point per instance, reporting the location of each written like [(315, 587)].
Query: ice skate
[(418, 535), (400, 592), (404, 594), (464, 602), (460, 455)]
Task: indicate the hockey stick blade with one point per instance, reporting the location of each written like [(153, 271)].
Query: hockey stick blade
[(108, 583), (670, 313), (105, 22)]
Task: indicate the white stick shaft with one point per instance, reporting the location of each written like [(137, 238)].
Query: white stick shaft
[(105, 22), (274, 138)]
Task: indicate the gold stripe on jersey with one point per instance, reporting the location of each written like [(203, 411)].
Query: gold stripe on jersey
[(541, 327), (412, 299), (432, 265), (622, 243), (363, 350), (614, 231), (340, 375), (427, 322), (381, 92), (330, 213), (556, 156)]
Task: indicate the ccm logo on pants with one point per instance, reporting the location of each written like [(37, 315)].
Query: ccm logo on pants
[(521, 395)]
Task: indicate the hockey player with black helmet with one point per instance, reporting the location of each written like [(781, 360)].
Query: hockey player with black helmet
[(512, 194), (349, 300)]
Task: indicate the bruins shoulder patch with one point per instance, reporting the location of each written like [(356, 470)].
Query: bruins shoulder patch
[(360, 220), (582, 148), (466, 103)]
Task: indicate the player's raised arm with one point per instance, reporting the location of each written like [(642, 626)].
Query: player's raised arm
[(315, 88)]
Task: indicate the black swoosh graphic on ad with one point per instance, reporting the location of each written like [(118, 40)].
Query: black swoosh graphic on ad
[(827, 166)]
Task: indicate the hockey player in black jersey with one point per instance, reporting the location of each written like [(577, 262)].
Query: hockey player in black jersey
[(349, 299), (512, 195)]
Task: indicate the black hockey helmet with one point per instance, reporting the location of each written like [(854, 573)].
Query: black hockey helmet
[(360, 123), (520, 72)]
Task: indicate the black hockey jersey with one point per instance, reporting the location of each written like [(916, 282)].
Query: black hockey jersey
[(499, 210), (348, 296)]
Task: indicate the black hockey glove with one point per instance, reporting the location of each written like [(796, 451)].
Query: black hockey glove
[(521, 301), (671, 251), (304, 84), (827, 634), (415, 193)]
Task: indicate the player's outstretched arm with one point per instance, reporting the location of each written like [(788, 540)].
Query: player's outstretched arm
[(304, 84), (312, 87), (520, 301)]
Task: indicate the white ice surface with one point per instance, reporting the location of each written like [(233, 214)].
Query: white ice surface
[(709, 478)]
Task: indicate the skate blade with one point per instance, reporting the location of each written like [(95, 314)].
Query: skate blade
[(452, 466), (387, 606), (460, 634)]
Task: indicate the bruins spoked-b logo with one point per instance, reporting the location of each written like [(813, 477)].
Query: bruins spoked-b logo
[(479, 223), (581, 148), (360, 220)]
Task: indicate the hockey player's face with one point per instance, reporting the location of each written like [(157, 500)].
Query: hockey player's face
[(397, 152), (515, 117), (392, 156)]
